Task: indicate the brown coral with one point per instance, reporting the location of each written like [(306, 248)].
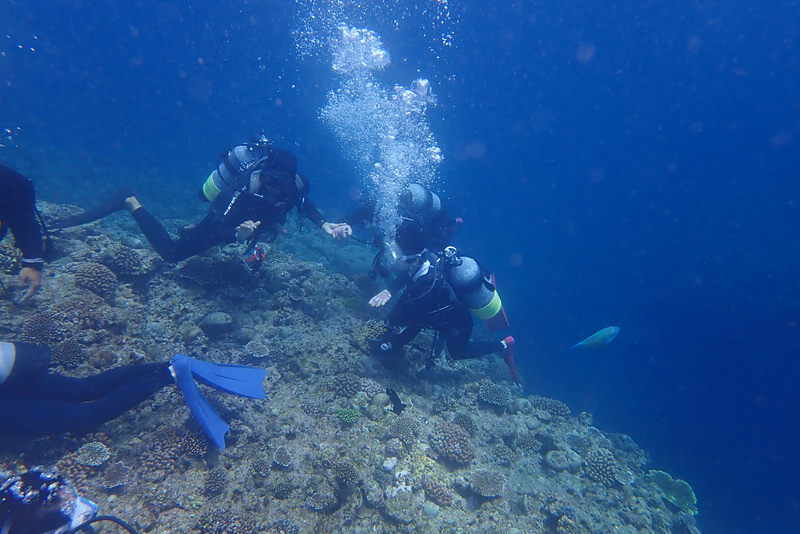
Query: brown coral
[(69, 354), (487, 483), (452, 443), (465, 421), (43, 329), (555, 407), (346, 475), (97, 278), (600, 466), (282, 457), (436, 492), (494, 394), (405, 429)]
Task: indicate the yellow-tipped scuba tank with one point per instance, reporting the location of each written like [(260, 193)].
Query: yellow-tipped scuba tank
[(232, 166), (474, 288)]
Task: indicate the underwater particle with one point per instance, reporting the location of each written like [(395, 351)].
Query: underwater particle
[(600, 466), (116, 475), (348, 415), (43, 329), (487, 483), (494, 394), (215, 481), (554, 407), (97, 278), (346, 475), (436, 492), (676, 491), (405, 429), (465, 421), (93, 454), (282, 457), (257, 349), (69, 354), (452, 443)]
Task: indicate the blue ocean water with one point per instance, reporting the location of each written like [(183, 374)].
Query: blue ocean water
[(630, 163)]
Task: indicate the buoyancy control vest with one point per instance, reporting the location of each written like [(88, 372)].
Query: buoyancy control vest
[(232, 169)]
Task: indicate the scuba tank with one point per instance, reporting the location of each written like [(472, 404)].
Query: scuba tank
[(232, 165), (474, 288), (419, 200)]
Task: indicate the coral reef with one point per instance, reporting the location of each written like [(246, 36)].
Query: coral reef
[(405, 429), (494, 394), (452, 443), (553, 406), (600, 466), (97, 278), (324, 452), (93, 454), (487, 483), (282, 457)]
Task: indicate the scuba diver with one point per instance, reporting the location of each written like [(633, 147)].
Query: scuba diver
[(424, 219), (440, 291), (38, 502), (36, 402), (252, 189), (18, 213)]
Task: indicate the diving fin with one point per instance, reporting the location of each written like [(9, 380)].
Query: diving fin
[(241, 380), (209, 420)]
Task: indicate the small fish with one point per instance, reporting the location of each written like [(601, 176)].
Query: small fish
[(598, 339), (397, 405)]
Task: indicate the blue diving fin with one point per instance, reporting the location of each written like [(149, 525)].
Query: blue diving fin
[(240, 380), (209, 420)]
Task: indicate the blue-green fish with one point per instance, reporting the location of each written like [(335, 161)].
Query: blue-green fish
[(598, 339)]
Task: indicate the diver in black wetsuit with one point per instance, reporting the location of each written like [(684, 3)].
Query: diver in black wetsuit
[(18, 214), (251, 191), (35, 402), (432, 299)]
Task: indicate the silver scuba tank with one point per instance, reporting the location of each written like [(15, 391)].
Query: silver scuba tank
[(224, 177)]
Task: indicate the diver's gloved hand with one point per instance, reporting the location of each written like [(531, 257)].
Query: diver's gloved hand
[(246, 229), (337, 230), (380, 299)]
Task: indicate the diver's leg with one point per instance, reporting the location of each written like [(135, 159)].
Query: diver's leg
[(25, 415), (80, 389), (457, 335), (193, 241)]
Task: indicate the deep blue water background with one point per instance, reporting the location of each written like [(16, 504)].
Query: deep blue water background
[(626, 163)]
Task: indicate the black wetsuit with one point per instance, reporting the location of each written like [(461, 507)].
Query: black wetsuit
[(17, 213), (278, 194), (430, 302), (35, 402)]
